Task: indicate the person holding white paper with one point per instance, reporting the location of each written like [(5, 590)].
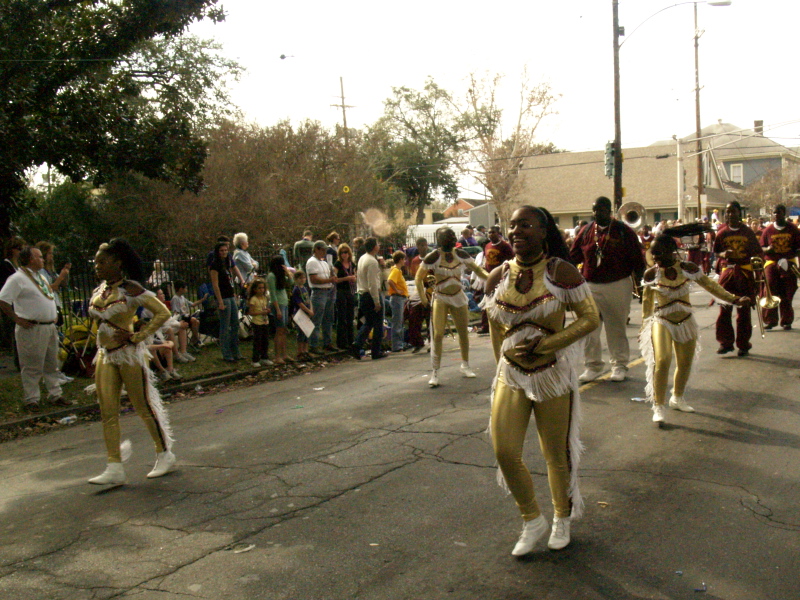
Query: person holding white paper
[(301, 304)]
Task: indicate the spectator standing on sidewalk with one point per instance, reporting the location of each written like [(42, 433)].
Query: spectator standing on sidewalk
[(610, 253), (345, 297), (241, 257), (222, 284), (421, 253), (368, 276), (9, 266), (34, 314), (258, 308), (321, 278), (278, 284), (398, 296), (303, 250)]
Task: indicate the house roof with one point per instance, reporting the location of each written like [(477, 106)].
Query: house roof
[(569, 182), (730, 143)]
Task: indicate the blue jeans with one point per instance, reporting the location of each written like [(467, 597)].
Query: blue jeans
[(398, 304), (322, 303), (229, 330)]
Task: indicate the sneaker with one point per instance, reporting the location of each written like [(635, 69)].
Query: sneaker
[(559, 535), (434, 380), (466, 371), (658, 413), (724, 349), (32, 407), (113, 475), (175, 375), (256, 365), (787, 327), (618, 374), (678, 403), (267, 363), (743, 352), (164, 463), (355, 352), (532, 532), (66, 378), (189, 357), (181, 358), (769, 326), (163, 376), (589, 375)]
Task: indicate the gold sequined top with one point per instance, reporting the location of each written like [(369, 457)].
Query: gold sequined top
[(666, 291), (115, 306), (531, 297)]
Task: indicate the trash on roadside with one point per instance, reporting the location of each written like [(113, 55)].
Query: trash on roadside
[(240, 547), (603, 504), (198, 388), (701, 589), (638, 399), (319, 389), (460, 544), (298, 406), (678, 572), (68, 420), (374, 544), (219, 410)]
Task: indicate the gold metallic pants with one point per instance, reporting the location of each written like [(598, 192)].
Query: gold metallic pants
[(663, 347), (439, 322), (511, 412), (109, 379)]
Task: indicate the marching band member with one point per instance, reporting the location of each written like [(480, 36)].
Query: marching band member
[(447, 263), (668, 325), (735, 245), (537, 360), (122, 357), (781, 243)]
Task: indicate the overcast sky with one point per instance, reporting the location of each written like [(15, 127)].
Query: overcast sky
[(748, 65)]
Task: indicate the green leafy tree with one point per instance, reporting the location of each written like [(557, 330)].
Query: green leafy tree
[(68, 100), (415, 145)]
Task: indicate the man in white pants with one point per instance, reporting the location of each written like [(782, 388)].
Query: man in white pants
[(610, 253), (26, 298)]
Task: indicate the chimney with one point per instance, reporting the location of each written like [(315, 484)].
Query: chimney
[(758, 127)]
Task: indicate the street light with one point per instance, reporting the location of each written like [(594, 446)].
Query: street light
[(618, 32)]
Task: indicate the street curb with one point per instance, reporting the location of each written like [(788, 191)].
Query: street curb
[(188, 385)]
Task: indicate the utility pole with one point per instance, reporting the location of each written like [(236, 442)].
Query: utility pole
[(698, 134), (344, 108), (617, 124)]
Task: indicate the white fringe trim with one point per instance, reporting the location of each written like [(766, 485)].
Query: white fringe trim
[(576, 447), (649, 356), (567, 296), (672, 309), (457, 300), (139, 355), (685, 332)]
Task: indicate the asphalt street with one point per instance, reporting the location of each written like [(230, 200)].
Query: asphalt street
[(360, 482)]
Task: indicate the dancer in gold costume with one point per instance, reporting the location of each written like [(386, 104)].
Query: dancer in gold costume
[(668, 325), (122, 357), (447, 263), (537, 357)]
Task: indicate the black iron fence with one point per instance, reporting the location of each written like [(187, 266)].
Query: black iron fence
[(192, 271)]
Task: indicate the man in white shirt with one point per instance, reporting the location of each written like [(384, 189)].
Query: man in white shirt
[(321, 279), (27, 300), (368, 278)]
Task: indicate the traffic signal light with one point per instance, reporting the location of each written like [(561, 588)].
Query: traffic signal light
[(610, 159)]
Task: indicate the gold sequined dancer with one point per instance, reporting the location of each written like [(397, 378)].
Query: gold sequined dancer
[(447, 263), (537, 357), (668, 324), (122, 357)]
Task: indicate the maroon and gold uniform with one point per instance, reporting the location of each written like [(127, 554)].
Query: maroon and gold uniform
[(784, 245), (736, 277)]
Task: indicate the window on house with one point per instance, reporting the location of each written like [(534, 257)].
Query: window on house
[(737, 174)]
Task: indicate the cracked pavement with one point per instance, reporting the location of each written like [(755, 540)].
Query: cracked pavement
[(377, 487)]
